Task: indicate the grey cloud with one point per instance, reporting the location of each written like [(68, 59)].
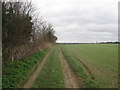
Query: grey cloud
[(82, 20)]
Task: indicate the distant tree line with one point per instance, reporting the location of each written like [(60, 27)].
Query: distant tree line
[(94, 43), (23, 31), (109, 42)]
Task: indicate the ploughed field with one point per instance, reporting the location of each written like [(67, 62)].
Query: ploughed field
[(66, 66)]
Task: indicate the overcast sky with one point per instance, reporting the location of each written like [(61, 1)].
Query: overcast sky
[(81, 20)]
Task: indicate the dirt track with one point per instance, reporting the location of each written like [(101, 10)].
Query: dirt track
[(70, 79), (36, 73)]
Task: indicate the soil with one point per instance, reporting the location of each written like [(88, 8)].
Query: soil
[(36, 73), (71, 80)]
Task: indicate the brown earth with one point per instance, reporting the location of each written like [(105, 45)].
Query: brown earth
[(71, 80), (36, 73)]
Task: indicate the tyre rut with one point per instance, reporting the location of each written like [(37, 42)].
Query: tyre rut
[(36, 73), (70, 78)]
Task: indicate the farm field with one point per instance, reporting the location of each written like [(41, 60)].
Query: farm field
[(100, 61), (69, 66), (84, 66)]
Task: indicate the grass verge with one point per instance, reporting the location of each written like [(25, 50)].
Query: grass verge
[(16, 71), (51, 75)]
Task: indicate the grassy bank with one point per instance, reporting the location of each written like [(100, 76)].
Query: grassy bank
[(51, 75), (16, 72)]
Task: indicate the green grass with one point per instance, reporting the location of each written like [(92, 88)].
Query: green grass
[(51, 75), (101, 59), (17, 71), (86, 80)]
